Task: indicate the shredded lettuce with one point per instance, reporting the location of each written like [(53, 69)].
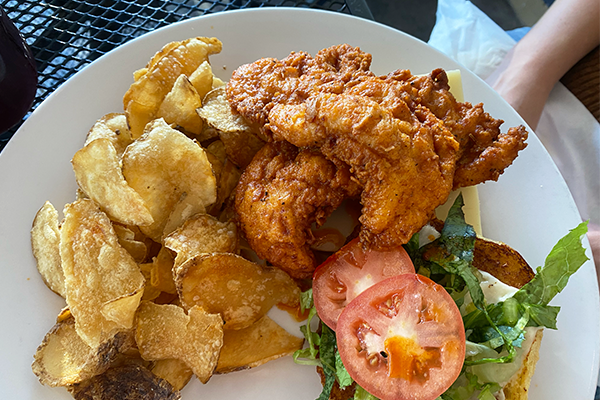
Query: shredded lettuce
[(321, 350)]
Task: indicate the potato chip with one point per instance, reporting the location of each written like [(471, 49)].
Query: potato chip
[(45, 243), (238, 289), (202, 234), (217, 82), (64, 314), (255, 345), (145, 95), (161, 272), (127, 239), (502, 261), (103, 282), (174, 371), (113, 127), (98, 173), (179, 106), (217, 148), (127, 382), (186, 207), (202, 79), (228, 179), (161, 166), (241, 140), (165, 332), (64, 358)]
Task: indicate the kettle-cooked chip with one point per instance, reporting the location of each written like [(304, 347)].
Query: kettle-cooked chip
[(45, 243), (114, 127), (104, 284), (161, 272), (98, 173), (228, 179), (64, 358), (165, 332), (255, 345), (202, 234), (186, 207), (179, 106), (174, 371), (247, 290), (202, 79), (145, 95), (242, 141), (502, 261), (127, 382), (161, 166), (127, 239)]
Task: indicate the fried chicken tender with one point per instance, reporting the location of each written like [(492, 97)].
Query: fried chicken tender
[(280, 194), (485, 152), (255, 88), (405, 138), (406, 167)]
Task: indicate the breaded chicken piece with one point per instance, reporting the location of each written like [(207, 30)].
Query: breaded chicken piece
[(280, 194), (406, 167), (255, 88), (485, 152), (406, 139)]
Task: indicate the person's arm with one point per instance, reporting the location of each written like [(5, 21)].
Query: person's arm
[(566, 32)]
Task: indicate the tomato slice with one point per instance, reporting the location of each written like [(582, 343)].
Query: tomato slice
[(350, 271), (402, 339)]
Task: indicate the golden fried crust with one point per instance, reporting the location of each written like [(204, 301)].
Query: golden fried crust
[(280, 194), (255, 88), (403, 136), (485, 152), (487, 165), (406, 167)]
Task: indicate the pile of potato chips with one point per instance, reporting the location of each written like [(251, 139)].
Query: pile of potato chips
[(147, 256)]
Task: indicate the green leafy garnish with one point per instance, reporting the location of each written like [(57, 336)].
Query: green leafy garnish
[(565, 258), (321, 350)]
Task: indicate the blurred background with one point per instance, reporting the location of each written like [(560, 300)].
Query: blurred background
[(66, 35), (417, 18)]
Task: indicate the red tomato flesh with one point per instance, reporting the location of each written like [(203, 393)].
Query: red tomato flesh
[(402, 339), (350, 271)]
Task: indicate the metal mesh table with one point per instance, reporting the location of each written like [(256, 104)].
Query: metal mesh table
[(66, 35)]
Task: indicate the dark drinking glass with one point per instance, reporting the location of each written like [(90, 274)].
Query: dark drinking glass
[(18, 74)]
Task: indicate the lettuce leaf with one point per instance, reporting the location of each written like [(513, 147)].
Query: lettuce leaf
[(565, 258)]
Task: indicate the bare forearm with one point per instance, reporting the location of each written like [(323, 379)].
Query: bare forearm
[(566, 33)]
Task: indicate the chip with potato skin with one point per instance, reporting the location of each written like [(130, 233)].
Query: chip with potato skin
[(98, 173), (45, 244), (104, 284), (145, 95), (255, 345), (63, 358), (166, 332), (162, 166), (126, 382), (239, 290)]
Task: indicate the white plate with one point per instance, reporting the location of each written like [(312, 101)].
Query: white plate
[(530, 207)]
